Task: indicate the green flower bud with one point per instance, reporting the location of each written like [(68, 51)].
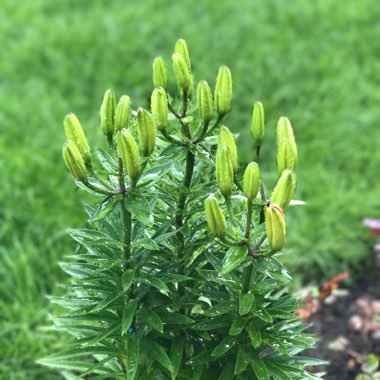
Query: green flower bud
[(159, 107), (226, 139), (129, 154), (215, 217), (224, 171), (284, 189), (74, 132), (181, 49), (257, 127), (147, 131), (182, 73), (251, 181), (74, 161), (159, 73), (286, 146), (123, 113), (223, 91), (204, 100), (107, 114), (275, 227)]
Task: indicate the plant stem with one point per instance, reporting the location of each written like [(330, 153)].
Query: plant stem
[(249, 219), (127, 218), (246, 277), (202, 134), (98, 189), (230, 212), (172, 139)]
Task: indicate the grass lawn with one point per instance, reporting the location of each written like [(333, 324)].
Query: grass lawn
[(315, 61)]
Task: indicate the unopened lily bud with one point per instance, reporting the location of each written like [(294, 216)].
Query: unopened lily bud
[(275, 227), (257, 127), (159, 73), (251, 181), (146, 131), (284, 189), (215, 217), (159, 107), (107, 114), (224, 171), (226, 139), (181, 49), (123, 113), (74, 132), (182, 73), (223, 91), (74, 161), (204, 100), (286, 146), (129, 154)]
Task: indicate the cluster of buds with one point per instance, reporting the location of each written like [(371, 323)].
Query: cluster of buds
[(226, 165)]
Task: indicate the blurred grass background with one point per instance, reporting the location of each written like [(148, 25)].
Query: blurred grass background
[(315, 61)]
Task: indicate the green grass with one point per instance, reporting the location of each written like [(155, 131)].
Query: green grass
[(314, 61)]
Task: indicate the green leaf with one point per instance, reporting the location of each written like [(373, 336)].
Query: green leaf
[(106, 160), (174, 318), (234, 257), (224, 346), (150, 317), (264, 315), (237, 326), (220, 308), (259, 368), (140, 208), (254, 334), (202, 358), (104, 209), (158, 353), (133, 354), (371, 365), (93, 238), (128, 313), (147, 244), (276, 372), (228, 372), (176, 353), (245, 303), (242, 360), (127, 279), (107, 301), (213, 323), (155, 282)]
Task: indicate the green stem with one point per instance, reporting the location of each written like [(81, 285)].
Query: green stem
[(202, 134), (230, 211), (249, 219), (246, 277), (172, 139), (98, 189), (127, 218), (214, 126)]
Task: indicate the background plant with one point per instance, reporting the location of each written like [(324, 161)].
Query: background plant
[(155, 296)]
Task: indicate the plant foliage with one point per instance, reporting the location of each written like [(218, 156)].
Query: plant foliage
[(154, 294)]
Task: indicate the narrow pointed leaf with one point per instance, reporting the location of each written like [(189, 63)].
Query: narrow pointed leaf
[(127, 279), (150, 317), (133, 354), (245, 303), (242, 361), (128, 313), (234, 257), (176, 354)]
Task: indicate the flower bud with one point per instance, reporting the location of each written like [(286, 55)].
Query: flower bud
[(74, 132), (159, 73), (284, 189), (181, 49), (159, 107), (226, 139), (123, 113), (224, 171), (146, 131), (129, 154), (182, 73), (215, 217), (275, 227), (107, 113), (74, 161), (223, 91), (257, 127), (204, 100), (251, 181), (286, 146)]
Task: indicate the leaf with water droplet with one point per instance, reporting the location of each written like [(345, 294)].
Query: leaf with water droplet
[(150, 317), (259, 367), (176, 353), (127, 279), (234, 257), (242, 360), (129, 310), (245, 303), (225, 345), (237, 326), (255, 334), (133, 354)]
